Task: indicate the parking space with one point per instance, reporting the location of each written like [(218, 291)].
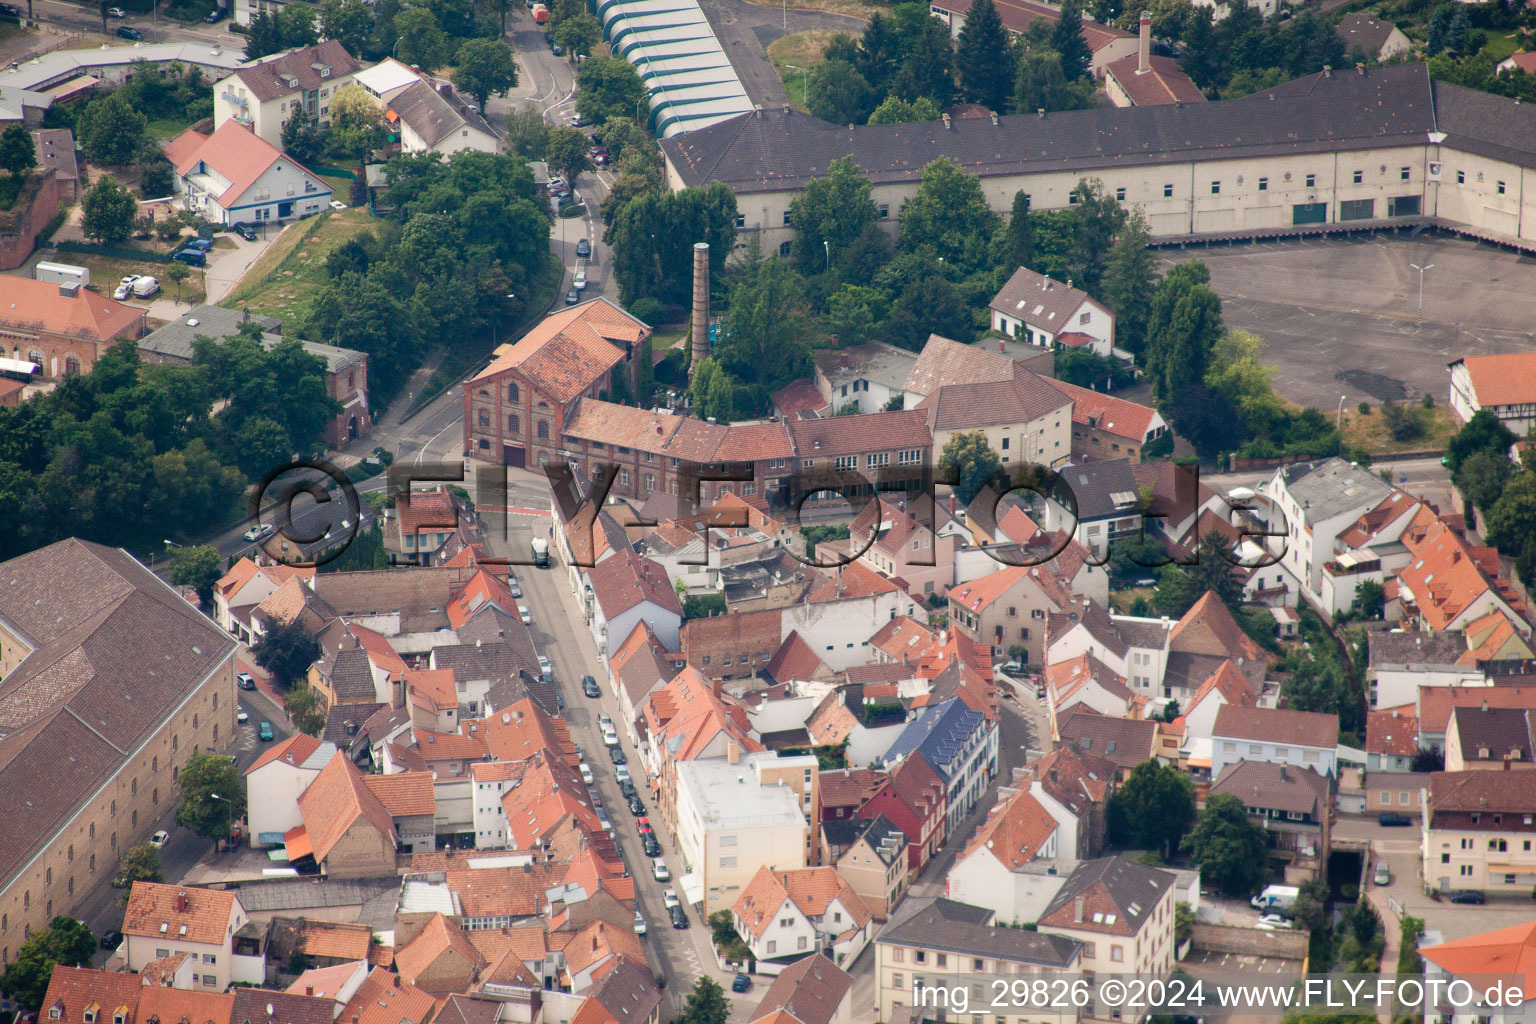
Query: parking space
[(1340, 315)]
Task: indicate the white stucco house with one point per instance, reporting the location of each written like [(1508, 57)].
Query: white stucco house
[(263, 94), (276, 780), (234, 175), (1036, 308), (621, 592), (424, 114)]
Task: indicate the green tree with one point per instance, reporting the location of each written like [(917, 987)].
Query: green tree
[(1152, 809), (855, 313), (984, 58), (1483, 432), (567, 149), (895, 110), (969, 460), (263, 39), (304, 709), (301, 140), (421, 40), (1017, 240), (286, 650), (762, 342), (527, 132), (66, 942), (948, 217), (1042, 84), (706, 1004), (296, 26), (349, 22), (357, 126), (653, 235), (1370, 599), (110, 130), (177, 272), (836, 92), (578, 34), (156, 176), (1202, 57), (1067, 40), (199, 568), (878, 57), (1482, 477), (1310, 911), (17, 154), (1236, 373), (140, 864), (929, 69), (830, 215), (109, 211), (608, 87), (200, 810), (1510, 523), (484, 66), (1180, 586), (1183, 326), (1099, 220), (1227, 847), (1130, 279)]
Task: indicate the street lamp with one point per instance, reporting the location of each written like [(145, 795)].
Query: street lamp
[(1338, 424), (805, 79), (827, 246), (1427, 266)]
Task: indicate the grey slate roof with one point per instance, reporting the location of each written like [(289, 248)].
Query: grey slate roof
[(1393, 106), (174, 340), (961, 928), (1368, 33), (1102, 489), (1039, 300), (1416, 648), (431, 116), (628, 992), (1275, 787), (809, 990), (1124, 742), (55, 147), (1503, 732)]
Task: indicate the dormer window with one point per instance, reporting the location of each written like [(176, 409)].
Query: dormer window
[(90, 1013), (56, 1011)]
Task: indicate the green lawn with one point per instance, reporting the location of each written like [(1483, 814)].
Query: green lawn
[(793, 56), (107, 270), (1501, 45), (285, 279)]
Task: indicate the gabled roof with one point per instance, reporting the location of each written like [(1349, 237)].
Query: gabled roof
[(337, 799), (945, 362), (1436, 702), (626, 580), (641, 663), (1447, 575), (955, 927), (432, 116), (1039, 300), (853, 435), (1103, 489), (599, 940), (265, 77), (686, 715), (1229, 683), (569, 351), (1162, 82), (939, 734), (439, 937), (627, 993), (297, 751), (1416, 648), (522, 730), (850, 787), (1118, 897), (1483, 789), (237, 154), (1124, 741), (1014, 831), (157, 910), (1500, 732), (404, 793), (71, 990), (1277, 725), (386, 998), (903, 638), (1017, 15), (811, 891), (1074, 779), (1129, 420), (1507, 379), (550, 796), (809, 991), (979, 594), (795, 660)]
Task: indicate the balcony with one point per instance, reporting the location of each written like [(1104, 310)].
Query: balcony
[(239, 101)]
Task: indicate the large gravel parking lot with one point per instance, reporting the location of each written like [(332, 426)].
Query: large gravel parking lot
[(1340, 315)]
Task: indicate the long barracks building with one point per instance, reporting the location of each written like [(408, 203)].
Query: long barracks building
[(1356, 147)]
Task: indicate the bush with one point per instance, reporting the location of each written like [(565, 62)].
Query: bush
[(648, 309), (1364, 408)]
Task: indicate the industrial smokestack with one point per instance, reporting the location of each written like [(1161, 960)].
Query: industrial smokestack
[(1144, 45), (700, 303)]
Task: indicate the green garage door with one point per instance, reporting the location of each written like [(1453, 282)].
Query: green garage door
[(1309, 213), (1357, 209)]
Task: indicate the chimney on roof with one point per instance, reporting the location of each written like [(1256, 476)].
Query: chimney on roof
[(183, 902), (946, 122), (1040, 113), (700, 304), (994, 117), (1144, 45), (1506, 762), (1002, 345), (1360, 69), (1327, 71), (757, 110), (309, 990)]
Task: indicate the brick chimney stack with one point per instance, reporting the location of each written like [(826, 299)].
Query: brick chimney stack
[(1144, 45)]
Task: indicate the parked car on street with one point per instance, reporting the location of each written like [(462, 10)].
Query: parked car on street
[(116, 12), (159, 839), (111, 939), (1390, 819), (1468, 896), (741, 982), (264, 732), (258, 531), (584, 249), (191, 257), (200, 244), (572, 297), (669, 899), (639, 923), (636, 805), (242, 716), (662, 873), (679, 918), (1383, 875), (244, 230), (589, 687), (129, 33), (579, 282), (617, 755), (245, 680), (651, 846)]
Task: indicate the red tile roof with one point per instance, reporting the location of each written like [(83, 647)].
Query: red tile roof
[(855, 435), (1508, 379), (1277, 725), (293, 751), (522, 730), (439, 938), (1163, 82), (1129, 420), (1509, 953), (799, 396), (335, 800), (404, 793), (159, 911), (1014, 831), (39, 306), (1393, 731), (386, 998), (1447, 574), (625, 579), (568, 351), (236, 153)]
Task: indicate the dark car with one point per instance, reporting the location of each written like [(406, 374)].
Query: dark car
[(1390, 819), (740, 983), (572, 297), (200, 244), (1467, 896), (129, 33), (111, 940), (555, 49), (244, 230), (679, 919), (651, 846), (636, 806), (191, 257), (617, 754), (584, 248), (589, 687), (627, 788)]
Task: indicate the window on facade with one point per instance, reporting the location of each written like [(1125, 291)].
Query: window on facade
[(1359, 177), (1405, 173), (1215, 188), (885, 210), (1461, 177), (1263, 184), (1167, 191), (513, 426), (1501, 192), (543, 430), (773, 947), (511, 392), (485, 419), (741, 220), (784, 248), (1311, 181), (1072, 198), (1119, 195)]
